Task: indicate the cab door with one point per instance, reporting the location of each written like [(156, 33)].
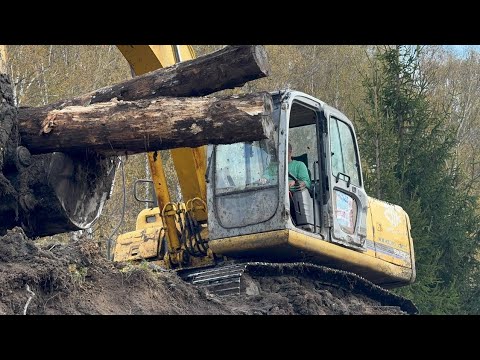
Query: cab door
[(348, 201)]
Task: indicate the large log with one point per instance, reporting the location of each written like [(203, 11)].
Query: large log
[(147, 125), (227, 68)]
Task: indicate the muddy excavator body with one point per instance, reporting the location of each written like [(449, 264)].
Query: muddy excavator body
[(333, 229)]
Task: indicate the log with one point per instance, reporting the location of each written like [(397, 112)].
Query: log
[(147, 125), (227, 68)]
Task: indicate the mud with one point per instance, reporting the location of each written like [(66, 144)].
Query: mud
[(76, 279), (288, 295)]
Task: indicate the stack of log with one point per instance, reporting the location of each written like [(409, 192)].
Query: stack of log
[(57, 162)]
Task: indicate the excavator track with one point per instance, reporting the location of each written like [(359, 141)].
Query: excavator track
[(226, 280)]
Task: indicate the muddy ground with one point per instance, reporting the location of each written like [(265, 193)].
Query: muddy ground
[(77, 279)]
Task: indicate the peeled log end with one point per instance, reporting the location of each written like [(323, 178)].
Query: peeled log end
[(260, 56), (69, 193)]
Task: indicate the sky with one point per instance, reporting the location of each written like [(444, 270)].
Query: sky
[(462, 50)]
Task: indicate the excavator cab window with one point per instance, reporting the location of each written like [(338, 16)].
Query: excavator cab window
[(303, 136), (240, 166), (343, 153), (347, 196), (245, 183)]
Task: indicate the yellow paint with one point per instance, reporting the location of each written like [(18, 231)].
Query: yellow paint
[(169, 213), (367, 266), (191, 167), (145, 58), (249, 243), (317, 251), (388, 226), (137, 245), (163, 198), (412, 249), (187, 52), (143, 242), (149, 218), (159, 179)]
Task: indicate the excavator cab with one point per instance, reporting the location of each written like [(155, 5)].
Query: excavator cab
[(332, 224)]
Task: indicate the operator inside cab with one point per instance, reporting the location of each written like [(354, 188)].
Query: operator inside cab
[(298, 175)]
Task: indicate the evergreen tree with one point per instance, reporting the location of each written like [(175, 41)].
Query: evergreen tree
[(409, 147)]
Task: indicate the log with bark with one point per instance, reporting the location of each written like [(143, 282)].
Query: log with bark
[(119, 127), (227, 68), (58, 192)]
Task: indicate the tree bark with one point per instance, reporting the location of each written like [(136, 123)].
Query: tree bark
[(8, 165), (119, 127), (3, 59), (227, 68)]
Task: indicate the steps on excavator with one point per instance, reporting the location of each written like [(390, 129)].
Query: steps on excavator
[(221, 280), (226, 279)]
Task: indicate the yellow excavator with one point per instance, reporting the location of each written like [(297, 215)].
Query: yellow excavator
[(332, 230)]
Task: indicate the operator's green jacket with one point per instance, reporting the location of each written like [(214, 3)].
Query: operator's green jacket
[(300, 171)]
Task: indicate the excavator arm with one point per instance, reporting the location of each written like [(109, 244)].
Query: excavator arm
[(189, 163)]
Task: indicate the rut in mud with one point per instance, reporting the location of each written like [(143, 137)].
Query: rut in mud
[(76, 279)]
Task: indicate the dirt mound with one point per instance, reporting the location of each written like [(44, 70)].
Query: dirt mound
[(289, 295), (76, 279)]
